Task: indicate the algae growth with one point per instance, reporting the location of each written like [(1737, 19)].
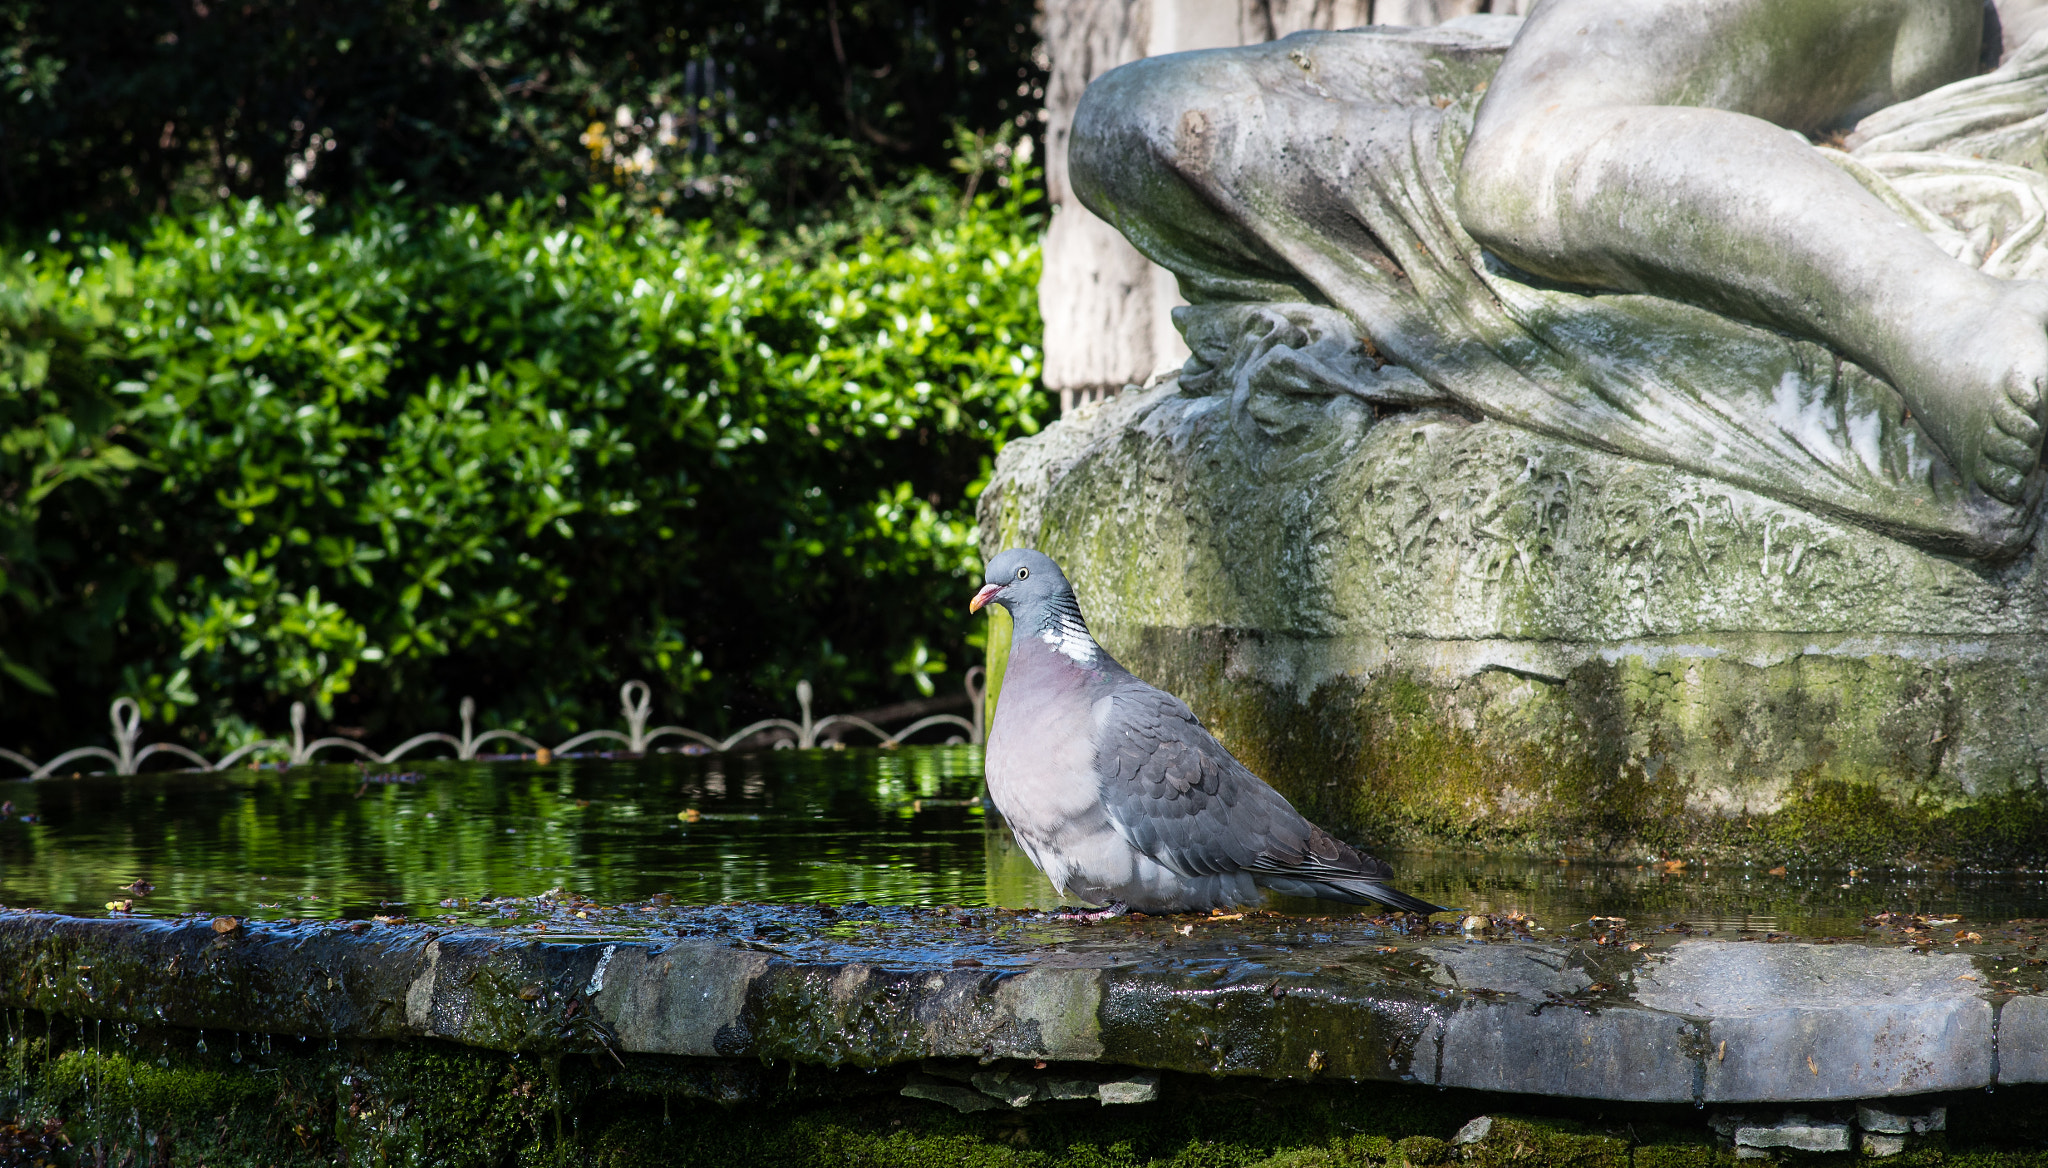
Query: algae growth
[(1594, 765)]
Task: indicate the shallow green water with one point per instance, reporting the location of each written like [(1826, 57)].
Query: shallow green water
[(901, 827)]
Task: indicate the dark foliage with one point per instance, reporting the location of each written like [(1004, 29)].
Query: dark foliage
[(763, 111)]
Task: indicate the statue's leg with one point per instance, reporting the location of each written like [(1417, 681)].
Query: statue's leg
[(1283, 172), (1129, 165), (1639, 145)]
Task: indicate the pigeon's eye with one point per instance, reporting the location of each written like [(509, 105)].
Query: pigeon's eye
[(1023, 573)]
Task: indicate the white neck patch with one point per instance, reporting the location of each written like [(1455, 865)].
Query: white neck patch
[(1072, 639)]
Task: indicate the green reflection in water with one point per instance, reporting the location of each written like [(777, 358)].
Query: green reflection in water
[(894, 827)]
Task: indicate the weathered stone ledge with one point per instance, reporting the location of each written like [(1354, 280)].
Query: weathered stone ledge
[(1700, 1021)]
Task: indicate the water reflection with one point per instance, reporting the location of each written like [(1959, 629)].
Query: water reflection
[(890, 827), (902, 827), (1724, 899)]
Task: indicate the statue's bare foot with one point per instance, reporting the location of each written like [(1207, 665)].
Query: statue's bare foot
[(1979, 385)]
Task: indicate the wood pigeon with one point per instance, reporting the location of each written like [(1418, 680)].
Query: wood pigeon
[(1119, 795)]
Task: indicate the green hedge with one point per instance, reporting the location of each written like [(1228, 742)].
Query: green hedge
[(488, 451)]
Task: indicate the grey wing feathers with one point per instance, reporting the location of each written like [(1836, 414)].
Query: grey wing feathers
[(1178, 796), (1173, 792)]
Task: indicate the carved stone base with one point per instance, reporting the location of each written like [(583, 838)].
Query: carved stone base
[(1427, 629)]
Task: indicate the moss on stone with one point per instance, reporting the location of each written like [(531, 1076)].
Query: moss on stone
[(1583, 765), (1514, 1141), (429, 1102), (115, 1084), (1420, 1152), (1687, 1154), (998, 660), (173, 1111), (1357, 1152)]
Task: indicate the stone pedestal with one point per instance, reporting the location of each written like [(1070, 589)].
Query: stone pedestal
[(1428, 629)]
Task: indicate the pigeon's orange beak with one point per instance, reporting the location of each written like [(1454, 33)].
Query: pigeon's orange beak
[(987, 593)]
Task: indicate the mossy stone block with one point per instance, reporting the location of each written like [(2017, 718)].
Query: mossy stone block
[(1434, 631)]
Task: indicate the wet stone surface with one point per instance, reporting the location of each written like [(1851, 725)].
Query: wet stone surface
[(1487, 1003)]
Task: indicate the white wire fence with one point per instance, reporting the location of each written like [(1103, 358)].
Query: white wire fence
[(635, 704)]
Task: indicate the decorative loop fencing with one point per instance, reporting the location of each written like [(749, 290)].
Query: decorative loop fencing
[(636, 704)]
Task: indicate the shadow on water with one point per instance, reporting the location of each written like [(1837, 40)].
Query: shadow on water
[(461, 842)]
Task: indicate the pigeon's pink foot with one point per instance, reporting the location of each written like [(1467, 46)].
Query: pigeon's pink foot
[(1115, 909)]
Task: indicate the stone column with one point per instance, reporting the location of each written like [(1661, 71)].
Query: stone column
[(1107, 308)]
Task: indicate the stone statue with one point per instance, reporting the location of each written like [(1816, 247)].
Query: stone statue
[(1793, 245), (1618, 428)]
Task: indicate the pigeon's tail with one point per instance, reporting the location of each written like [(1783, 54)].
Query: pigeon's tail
[(1350, 890), (1393, 898), (1334, 870)]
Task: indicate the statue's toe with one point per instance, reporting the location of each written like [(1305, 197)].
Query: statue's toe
[(2001, 481), (2010, 453), (2015, 424), (2011, 448), (2026, 394)]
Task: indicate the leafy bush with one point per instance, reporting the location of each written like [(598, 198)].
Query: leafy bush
[(476, 450)]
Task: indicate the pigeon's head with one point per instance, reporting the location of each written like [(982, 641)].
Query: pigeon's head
[(1022, 580)]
